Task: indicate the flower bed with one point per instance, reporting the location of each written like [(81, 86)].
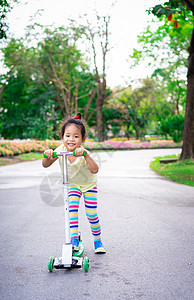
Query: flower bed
[(131, 145), (17, 147)]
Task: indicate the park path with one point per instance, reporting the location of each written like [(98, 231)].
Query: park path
[(147, 228)]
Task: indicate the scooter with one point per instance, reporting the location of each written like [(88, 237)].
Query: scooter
[(69, 258)]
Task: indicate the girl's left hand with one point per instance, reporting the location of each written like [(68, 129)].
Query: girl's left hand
[(79, 151)]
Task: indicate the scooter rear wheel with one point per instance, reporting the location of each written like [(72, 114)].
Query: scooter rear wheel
[(51, 263), (81, 250)]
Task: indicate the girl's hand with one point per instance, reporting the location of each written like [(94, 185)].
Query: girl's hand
[(79, 151), (49, 160), (91, 164), (49, 153)]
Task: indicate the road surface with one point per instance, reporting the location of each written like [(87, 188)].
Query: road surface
[(147, 229)]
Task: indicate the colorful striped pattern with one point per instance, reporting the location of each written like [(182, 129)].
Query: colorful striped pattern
[(90, 201)]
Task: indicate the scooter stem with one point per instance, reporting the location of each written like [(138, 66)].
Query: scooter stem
[(66, 199)]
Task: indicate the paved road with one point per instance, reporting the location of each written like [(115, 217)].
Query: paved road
[(147, 225)]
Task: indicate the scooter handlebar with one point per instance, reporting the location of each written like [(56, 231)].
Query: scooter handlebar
[(56, 154)]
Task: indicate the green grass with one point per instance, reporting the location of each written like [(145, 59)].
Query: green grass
[(19, 158), (30, 156), (180, 171)]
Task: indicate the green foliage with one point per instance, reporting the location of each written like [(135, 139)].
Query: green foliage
[(112, 116), (5, 7), (173, 126), (170, 7), (135, 109), (177, 126), (49, 78), (165, 48), (25, 109), (40, 81), (63, 65), (62, 62), (164, 127), (172, 37)]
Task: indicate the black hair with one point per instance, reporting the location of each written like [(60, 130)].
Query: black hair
[(76, 120)]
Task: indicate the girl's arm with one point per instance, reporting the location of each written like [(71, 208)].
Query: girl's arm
[(91, 164), (47, 162)]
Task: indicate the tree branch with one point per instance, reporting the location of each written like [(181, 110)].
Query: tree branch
[(59, 83), (189, 4), (89, 102), (89, 117)]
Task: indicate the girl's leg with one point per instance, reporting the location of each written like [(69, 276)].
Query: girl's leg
[(90, 200), (74, 199)]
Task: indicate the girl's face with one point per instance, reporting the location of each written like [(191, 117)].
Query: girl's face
[(72, 138)]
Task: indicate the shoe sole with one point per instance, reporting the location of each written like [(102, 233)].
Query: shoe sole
[(76, 249), (100, 251)]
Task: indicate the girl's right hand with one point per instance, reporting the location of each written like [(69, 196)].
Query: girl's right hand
[(49, 153)]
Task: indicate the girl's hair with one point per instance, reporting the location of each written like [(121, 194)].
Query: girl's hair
[(76, 120)]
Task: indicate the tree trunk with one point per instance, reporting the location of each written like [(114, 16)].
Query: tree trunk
[(137, 133), (188, 133), (101, 35), (99, 104)]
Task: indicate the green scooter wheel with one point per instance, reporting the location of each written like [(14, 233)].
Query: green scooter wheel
[(86, 264), (50, 263)]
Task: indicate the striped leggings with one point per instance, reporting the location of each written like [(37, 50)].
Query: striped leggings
[(90, 201)]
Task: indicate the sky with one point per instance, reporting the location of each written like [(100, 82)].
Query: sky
[(128, 20)]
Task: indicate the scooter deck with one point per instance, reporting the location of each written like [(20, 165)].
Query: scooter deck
[(76, 263)]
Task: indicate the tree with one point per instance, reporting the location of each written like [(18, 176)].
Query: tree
[(5, 7), (63, 65), (178, 9), (172, 125), (114, 116), (100, 35), (27, 102), (54, 67), (27, 108), (136, 108), (171, 65)]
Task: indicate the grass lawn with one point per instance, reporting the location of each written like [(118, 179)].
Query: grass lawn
[(180, 171), (19, 158)]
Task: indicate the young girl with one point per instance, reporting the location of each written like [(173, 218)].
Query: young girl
[(81, 177)]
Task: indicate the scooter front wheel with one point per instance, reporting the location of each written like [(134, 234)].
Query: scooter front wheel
[(51, 263), (86, 264)]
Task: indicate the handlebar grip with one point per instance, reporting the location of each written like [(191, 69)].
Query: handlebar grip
[(54, 155), (84, 153)]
